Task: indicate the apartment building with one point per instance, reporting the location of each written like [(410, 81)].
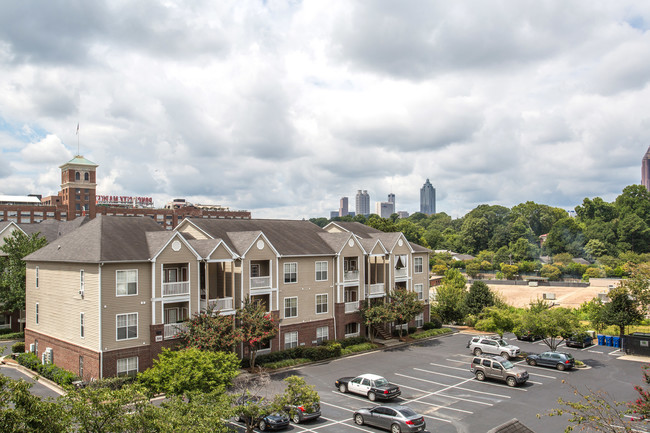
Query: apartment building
[(104, 299)]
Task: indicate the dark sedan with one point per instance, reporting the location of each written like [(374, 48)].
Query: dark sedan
[(393, 417), (560, 360), (300, 414), (272, 421)]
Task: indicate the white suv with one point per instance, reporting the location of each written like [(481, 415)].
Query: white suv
[(494, 346)]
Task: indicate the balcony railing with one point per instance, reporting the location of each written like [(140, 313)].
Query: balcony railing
[(350, 275), (403, 272), (260, 282), (178, 288), (173, 329), (221, 304), (376, 289), (351, 307)]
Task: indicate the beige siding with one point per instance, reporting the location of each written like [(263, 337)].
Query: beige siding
[(112, 305), (193, 231), (306, 288), (266, 253), (60, 303), (378, 250), (221, 253)]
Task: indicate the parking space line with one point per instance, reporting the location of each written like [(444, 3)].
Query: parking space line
[(455, 360), (595, 351), (464, 389), (446, 366), (432, 404), (614, 352), (440, 374)]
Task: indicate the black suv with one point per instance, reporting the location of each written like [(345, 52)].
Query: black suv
[(579, 340), (560, 360)]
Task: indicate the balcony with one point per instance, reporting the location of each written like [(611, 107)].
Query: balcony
[(221, 304), (376, 290), (350, 275), (175, 289), (172, 330), (260, 282), (403, 272), (351, 307)]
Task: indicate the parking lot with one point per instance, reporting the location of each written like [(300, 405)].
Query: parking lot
[(435, 381)]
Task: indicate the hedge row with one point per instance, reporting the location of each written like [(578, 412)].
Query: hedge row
[(12, 336), (49, 371), (431, 333)]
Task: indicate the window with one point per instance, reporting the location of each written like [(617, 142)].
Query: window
[(290, 339), (127, 326), (81, 282), (127, 366), (417, 263), (127, 282), (36, 315), (419, 289), (322, 334), (37, 277), (255, 270), (290, 307), (81, 325), (86, 177), (321, 271), (77, 176), (321, 303), (419, 320), (352, 329), (290, 272)]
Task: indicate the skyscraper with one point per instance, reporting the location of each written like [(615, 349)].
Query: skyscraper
[(362, 203), (391, 198), (428, 199), (645, 170), (384, 209), (343, 206)]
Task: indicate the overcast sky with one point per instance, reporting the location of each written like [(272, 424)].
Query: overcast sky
[(283, 107)]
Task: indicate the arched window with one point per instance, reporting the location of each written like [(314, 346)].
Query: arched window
[(77, 176), (86, 176)]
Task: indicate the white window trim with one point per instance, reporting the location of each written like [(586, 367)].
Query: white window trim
[(284, 274), (421, 292), (419, 317), (327, 303), (284, 303), (415, 265), (137, 289), (321, 271), (36, 313), (82, 282), (137, 365), (82, 325), (137, 324), (291, 333), (37, 277), (327, 333)]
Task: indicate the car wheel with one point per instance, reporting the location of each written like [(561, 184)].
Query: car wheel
[(343, 388), (505, 355), (372, 396), (395, 428), (561, 367), (532, 362), (511, 381), (358, 419), (295, 418), (262, 425), (477, 351), (480, 375)]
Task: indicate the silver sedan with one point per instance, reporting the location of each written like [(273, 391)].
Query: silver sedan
[(393, 417)]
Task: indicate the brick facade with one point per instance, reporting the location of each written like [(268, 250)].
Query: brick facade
[(306, 331)]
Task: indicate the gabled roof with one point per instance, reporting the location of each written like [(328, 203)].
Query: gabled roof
[(5, 225), (288, 237), (512, 426), (370, 244), (358, 229), (104, 239), (205, 247), (52, 229)]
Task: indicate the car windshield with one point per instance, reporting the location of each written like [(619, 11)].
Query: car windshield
[(507, 365), (381, 382), (502, 343), (407, 412)]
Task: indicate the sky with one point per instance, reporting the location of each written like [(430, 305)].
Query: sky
[(283, 107)]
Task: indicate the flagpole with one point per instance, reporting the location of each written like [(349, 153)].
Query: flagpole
[(77, 138)]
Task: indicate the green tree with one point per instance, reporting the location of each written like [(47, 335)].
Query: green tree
[(13, 268), (450, 297), (472, 269), (553, 324), (209, 330), (375, 313), (479, 297), (509, 271), (180, 372), (639, 284), (497, 319), (551, 272), (251, 401), (256, 326), (565, 237), (297, 396), (593, 310), (622, 310), (404, 306)]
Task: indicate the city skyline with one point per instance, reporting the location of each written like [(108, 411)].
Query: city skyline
[(278, 107)]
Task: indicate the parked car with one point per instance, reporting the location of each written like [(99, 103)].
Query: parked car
[(393, 417), (579, 340), (299, 414), (499, 368), (560, 360), (524, 335), (370, 385), (495, 346), (271, 421)]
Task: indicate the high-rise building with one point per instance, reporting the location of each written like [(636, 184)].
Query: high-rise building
[(362, 203), (384, 209), (428, 199), (343, 207), (645, 170), (391, 198)]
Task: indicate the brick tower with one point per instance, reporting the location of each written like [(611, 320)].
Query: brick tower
[(78, 185)]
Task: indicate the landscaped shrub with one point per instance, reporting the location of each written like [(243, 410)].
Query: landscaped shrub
[(113, 383), (352, 341), (412, 329), (358, 348), (5, 331), (431, 333), (436, 320), (313, 353), (13, 336), (431, 325), (18, 347), (49, 371), (29, 360), (285, 363)]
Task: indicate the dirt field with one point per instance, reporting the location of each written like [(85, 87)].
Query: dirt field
[(520, 296)]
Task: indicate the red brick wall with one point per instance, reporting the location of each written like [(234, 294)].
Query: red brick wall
[(307, 331)]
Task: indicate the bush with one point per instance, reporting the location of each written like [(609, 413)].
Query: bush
[(358, 348), (313, 353), (412, 329), (431, 325), (29, 360), (352, 341), (6, 331), (49, 371), (431, 333), (113, 383), (12, 336), (18, 347), (285, 363)]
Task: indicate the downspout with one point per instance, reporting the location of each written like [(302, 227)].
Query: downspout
[(101, 340), (333, 297)]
